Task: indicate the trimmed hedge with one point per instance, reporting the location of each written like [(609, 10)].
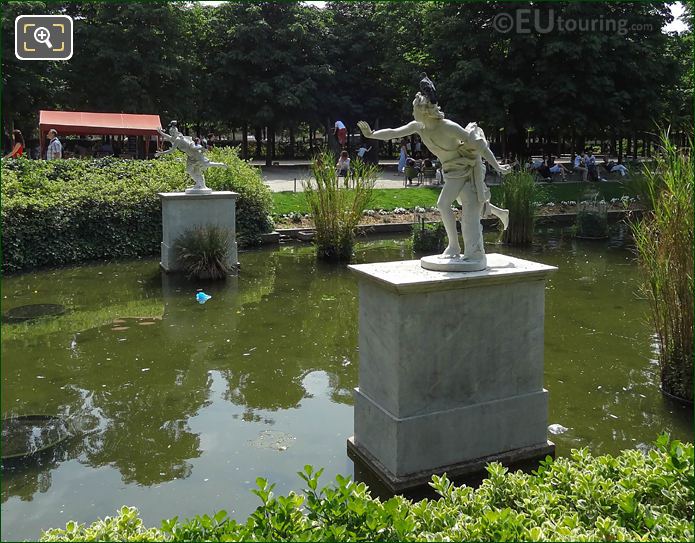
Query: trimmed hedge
[(67, 211), (635, 496)]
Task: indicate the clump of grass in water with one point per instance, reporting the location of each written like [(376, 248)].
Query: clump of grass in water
[(592, 216), (203, 252), (337, 206), (664, 242), (429, 238), (519, 194)]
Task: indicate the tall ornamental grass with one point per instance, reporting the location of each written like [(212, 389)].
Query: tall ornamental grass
[(337, 204), (519, 195), (664, 242), (204, 252)]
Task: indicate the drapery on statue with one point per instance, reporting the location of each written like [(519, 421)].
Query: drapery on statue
[(196, 161), (460, 150)]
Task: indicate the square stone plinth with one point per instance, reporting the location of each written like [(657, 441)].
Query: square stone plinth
[(451, 363), (182, 212)]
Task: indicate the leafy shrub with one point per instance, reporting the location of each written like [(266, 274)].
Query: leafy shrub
[(664, 241), (429, 238), (65, 211), (519, 195), (634, 496), (337, 207), (204, 252)]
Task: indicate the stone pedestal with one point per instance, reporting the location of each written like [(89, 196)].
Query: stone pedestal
[(451, 369), (182, 212)]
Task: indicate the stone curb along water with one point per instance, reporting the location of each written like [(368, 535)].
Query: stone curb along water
[(559, 219)]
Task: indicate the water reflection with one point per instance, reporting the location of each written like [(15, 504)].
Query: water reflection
[(182, 391)]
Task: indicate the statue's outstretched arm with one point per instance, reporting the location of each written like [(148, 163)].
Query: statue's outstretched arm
[(167, 152), (164, 135), (388, 133)]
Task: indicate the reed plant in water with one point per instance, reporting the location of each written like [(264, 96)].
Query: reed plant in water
[(337, 204), (664, 243), (519, 195), (203, 252)]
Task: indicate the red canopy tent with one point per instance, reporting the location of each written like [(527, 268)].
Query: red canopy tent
[(82, 123)]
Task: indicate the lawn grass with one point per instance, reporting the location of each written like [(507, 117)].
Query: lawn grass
[(408, 198)]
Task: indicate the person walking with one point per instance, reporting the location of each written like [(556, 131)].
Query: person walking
[(18, 145), (340, 132), (402, 157), (55, 148)]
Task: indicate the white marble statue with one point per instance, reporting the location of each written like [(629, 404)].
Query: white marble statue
[(196, 161), (460, 150)]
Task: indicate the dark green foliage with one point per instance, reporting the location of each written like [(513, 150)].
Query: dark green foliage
[(429, 238), (61, 212), (634, 496), (203, 252)]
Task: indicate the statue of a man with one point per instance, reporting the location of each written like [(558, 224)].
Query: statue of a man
[(196, 161), (460, 150)]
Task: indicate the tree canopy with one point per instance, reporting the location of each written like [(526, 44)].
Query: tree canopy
[(281, 65)]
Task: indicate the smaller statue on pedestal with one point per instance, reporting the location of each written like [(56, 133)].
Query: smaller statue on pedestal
[(196, 161), (461, 152)]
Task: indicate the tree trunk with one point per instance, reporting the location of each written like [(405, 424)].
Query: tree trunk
[(245, 142), (292, 142), (259, 137), (269, 146), (634, 146), (620, 148)]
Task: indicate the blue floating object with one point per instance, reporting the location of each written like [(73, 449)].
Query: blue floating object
[(202, 297)]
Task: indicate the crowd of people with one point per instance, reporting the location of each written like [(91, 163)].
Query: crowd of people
[(584, 164)]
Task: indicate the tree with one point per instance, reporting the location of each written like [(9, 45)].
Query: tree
[(26, 86), (583, 82), (270, 62), (131, 57)]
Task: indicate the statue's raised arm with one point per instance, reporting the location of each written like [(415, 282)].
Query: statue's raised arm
[(388, 133), (165, 136)]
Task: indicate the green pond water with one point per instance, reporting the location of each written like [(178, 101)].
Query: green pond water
[(182, 405)]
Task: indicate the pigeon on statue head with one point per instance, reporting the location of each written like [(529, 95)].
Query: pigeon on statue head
[(427, 88)]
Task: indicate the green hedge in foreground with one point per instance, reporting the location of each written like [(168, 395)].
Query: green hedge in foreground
[(631, 497), (66, 211)]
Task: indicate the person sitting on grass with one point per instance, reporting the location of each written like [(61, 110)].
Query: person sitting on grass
[(579, 165), (554, 167), (611, 166)]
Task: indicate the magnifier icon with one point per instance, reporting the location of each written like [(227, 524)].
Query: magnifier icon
[(42, 35)]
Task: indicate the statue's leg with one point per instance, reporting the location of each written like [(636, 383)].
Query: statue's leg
[(452, 187), (472, 208), (501, 214), (196, 173)]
